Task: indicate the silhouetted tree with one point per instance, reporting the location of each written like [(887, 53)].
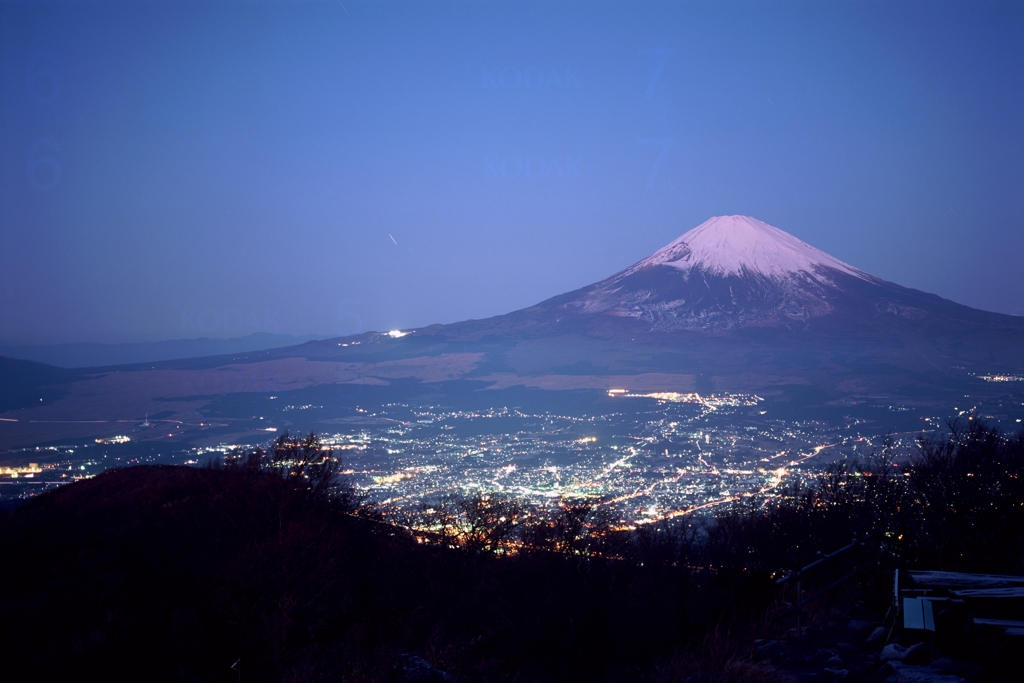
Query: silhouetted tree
[(303, 460), (481, 522), (958, 504)]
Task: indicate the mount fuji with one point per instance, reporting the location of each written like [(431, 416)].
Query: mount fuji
[(736, 275), (733, 305), (728, 272)]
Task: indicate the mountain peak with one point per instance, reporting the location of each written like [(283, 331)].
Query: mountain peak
[(744, 246), (728, 272)]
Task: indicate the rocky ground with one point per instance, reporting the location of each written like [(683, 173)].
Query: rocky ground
[(859, 651)]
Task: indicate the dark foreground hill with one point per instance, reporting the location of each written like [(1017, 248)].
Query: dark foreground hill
[(174, 573)]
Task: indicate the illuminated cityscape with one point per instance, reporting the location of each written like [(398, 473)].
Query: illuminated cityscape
[(646, 457), (686, 455)]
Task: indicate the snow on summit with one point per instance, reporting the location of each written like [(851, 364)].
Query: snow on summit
[(728, 272), (741, 245)]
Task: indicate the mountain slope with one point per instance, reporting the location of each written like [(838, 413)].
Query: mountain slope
[(737, 299), (734, 272), (734, 305), (25, 383)]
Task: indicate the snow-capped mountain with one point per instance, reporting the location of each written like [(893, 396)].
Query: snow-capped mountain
[(730, 272), (733, 305), (740, 304), (736, 271), (742, 246)]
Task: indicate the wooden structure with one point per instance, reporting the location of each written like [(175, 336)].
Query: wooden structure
[(990, 602), (798, 576)]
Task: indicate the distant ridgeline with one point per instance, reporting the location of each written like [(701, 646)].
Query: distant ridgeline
[(83, 355)]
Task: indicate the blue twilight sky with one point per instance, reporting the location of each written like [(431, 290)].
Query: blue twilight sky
[(172, 170)]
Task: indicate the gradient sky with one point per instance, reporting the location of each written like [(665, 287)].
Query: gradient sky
[(215, 169)]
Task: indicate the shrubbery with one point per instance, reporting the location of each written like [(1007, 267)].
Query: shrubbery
[(957, 505)]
